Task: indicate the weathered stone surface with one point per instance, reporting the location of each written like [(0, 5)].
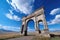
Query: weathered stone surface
[(37, 16)]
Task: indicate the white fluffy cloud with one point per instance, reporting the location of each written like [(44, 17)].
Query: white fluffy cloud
[(12, 17), (11, 28), (24, 6), (55, 11), (56, 20)]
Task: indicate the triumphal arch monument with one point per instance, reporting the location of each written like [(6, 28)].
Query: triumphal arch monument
[(37, 16)]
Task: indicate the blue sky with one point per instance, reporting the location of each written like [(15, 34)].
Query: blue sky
[(12, 12)]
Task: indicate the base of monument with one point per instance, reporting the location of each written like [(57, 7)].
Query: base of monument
[(44, 35), (37, 33)]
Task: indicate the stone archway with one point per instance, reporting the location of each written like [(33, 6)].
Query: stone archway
[(36, 16), (30, 25)]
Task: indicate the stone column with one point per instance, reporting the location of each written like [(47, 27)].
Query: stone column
[(45, 24), (35, 23), (25, 29), (36, 26), (46, 31)]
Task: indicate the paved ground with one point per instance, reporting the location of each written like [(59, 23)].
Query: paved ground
[(23, 38)]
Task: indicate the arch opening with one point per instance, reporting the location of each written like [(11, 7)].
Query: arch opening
[(40, 25), (30, 25)]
